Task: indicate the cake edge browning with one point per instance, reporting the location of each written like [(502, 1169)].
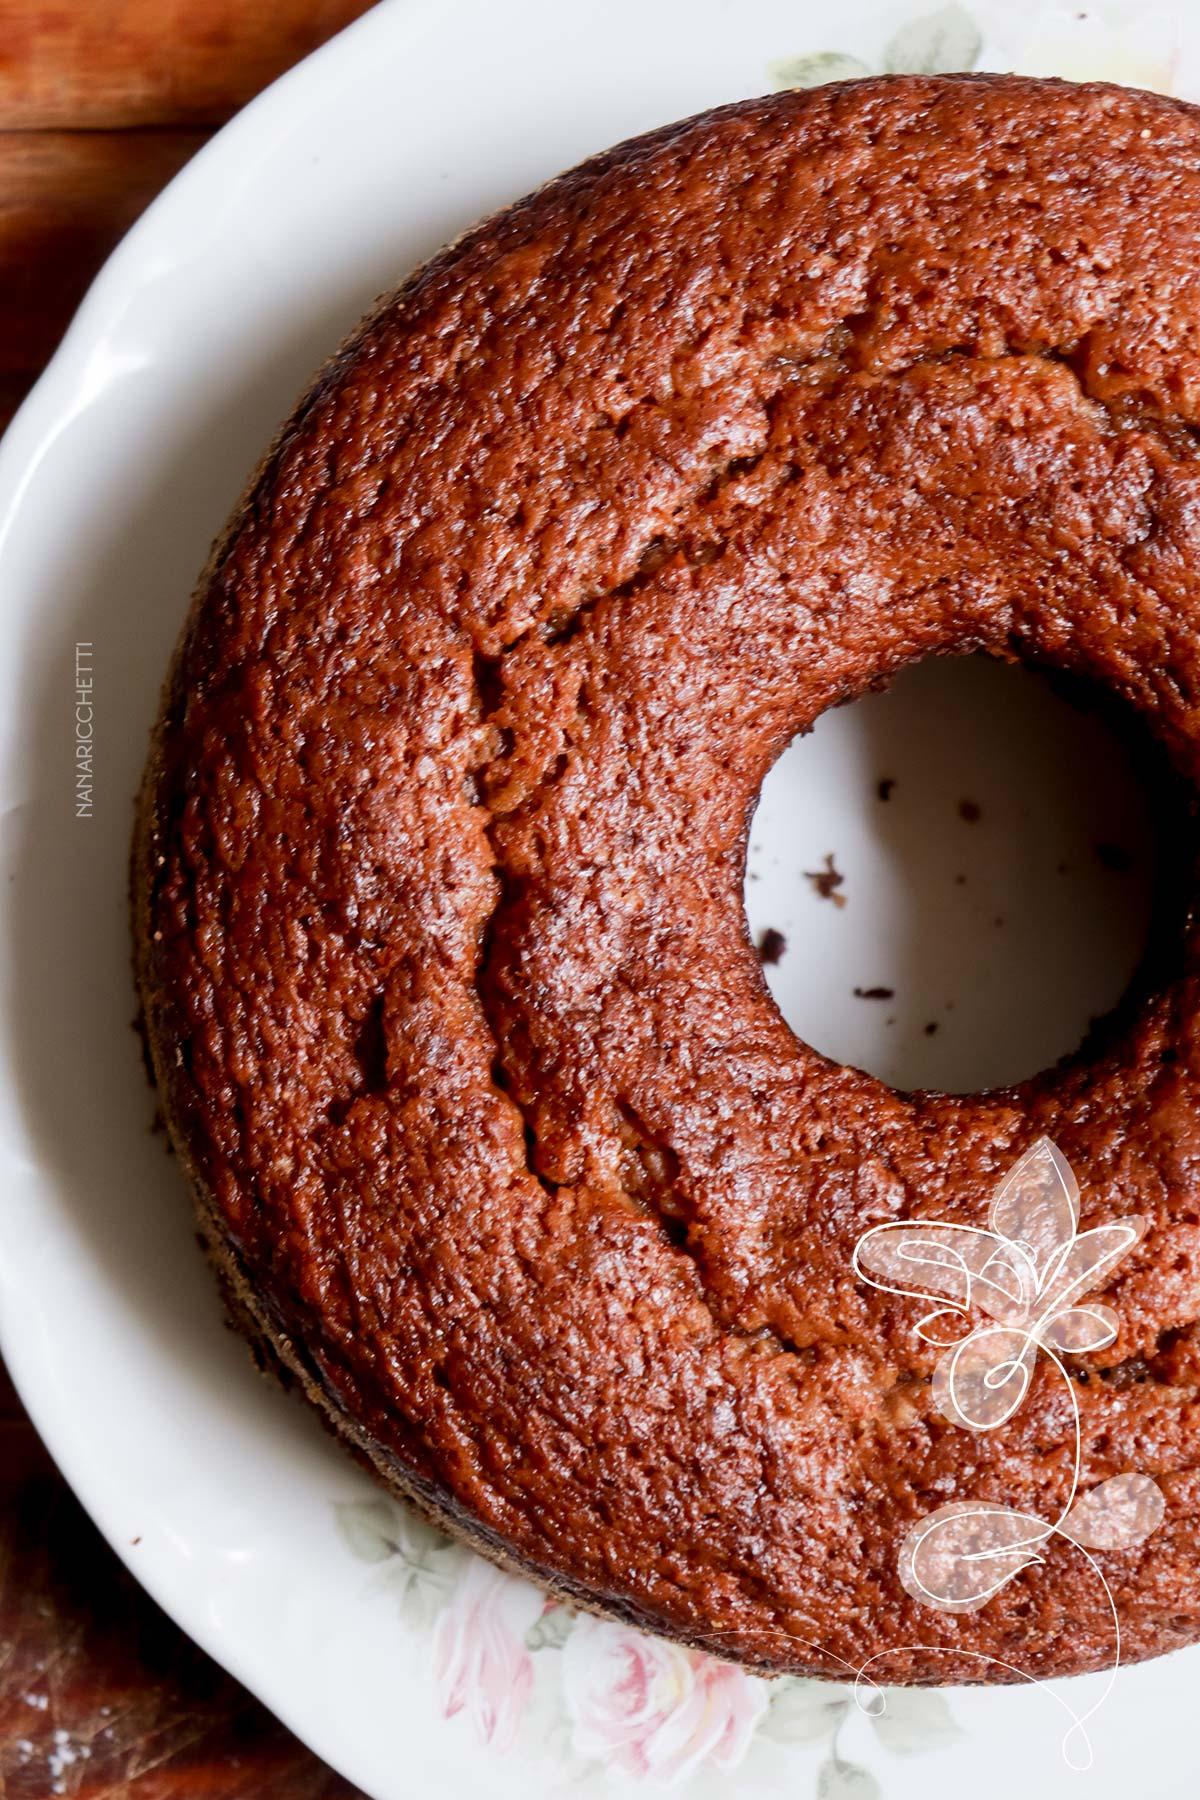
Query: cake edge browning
[(273, 1351)]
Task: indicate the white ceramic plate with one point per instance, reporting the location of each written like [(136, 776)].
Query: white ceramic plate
[(409, 1665)]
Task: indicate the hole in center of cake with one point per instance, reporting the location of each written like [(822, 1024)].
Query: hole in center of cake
[(950, 881)]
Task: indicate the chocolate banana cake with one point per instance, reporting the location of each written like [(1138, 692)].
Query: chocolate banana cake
[(502, 1150)]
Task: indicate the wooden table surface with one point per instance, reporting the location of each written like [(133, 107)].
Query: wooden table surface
[(101, 101)]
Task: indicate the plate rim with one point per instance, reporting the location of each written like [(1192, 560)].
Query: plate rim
[(44, 414)]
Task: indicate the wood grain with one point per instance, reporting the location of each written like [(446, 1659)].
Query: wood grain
[(100, 1695), (66, 197), (111, 63)]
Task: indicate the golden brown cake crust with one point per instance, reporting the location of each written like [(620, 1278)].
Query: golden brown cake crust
[(497, 1136)]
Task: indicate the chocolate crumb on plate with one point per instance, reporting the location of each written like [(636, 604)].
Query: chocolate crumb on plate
[(771, 945), (886, 787), (874, 993), (826, 881), (970, 811)]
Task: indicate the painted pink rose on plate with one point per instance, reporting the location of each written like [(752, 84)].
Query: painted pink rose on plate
[(655, 1710), (481, 1663)]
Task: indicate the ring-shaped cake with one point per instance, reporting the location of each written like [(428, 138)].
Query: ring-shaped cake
[(503, 1150)]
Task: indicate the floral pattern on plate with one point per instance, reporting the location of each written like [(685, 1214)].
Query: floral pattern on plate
[(1101, 44), (514, 1665), (941, 43)]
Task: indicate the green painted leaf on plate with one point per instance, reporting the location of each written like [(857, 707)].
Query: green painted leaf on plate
[(552, 1630), (368, 1529), (941, 43), (801, 1711), (815, 71), (838, 1780), (915, 1719)]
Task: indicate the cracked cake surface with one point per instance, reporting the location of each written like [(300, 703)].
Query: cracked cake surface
[(499, 1143)]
